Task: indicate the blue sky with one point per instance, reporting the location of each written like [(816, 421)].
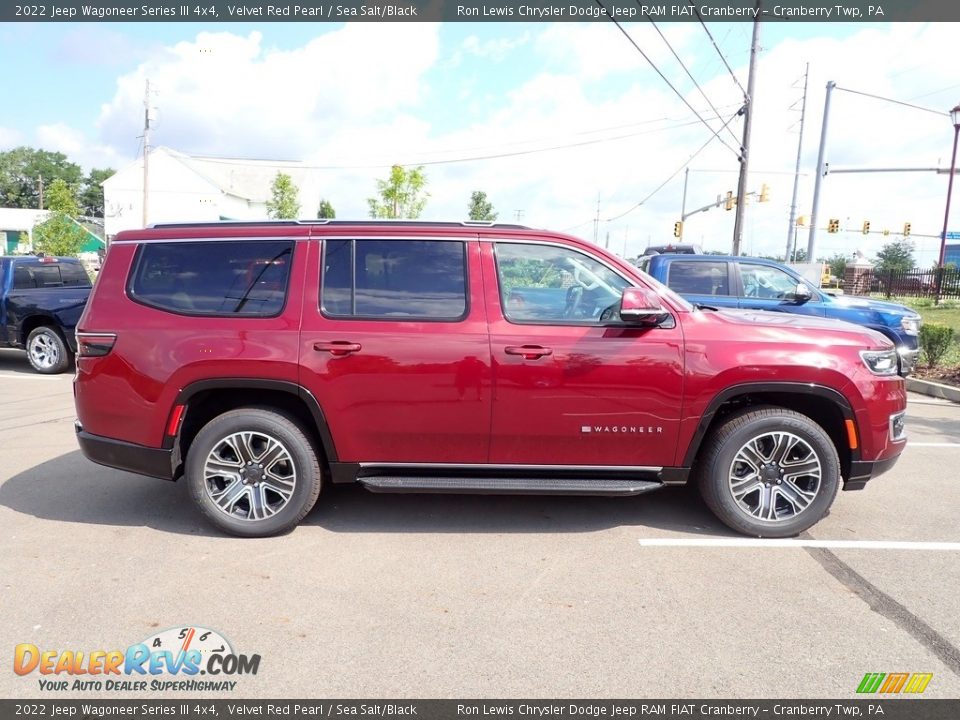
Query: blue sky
[(348, 96)]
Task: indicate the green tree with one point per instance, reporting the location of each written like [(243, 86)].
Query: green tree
[(480, 207), (326, 211), (283, 204), (401, 195), (896, 256), (61, 199), (21, 170), (59, 234), (91, 194), (838, 264)]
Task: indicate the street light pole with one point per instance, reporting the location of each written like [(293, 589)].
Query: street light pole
[(955, 117)]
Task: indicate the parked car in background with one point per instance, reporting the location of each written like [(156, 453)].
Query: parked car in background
[(726, 281), (263, 361), (41, 299)]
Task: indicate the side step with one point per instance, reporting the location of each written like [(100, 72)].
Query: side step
[(506, 486)]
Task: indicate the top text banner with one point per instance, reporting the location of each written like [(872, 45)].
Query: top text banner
[(482, 11)]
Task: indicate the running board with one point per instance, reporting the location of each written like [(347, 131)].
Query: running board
[(506, 486)]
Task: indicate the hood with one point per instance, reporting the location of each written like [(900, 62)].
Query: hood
[(801, 329), (880, 306)]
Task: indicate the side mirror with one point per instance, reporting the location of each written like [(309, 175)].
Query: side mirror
[(640, 306), (801, 294)]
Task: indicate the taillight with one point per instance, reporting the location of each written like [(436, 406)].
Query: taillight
[(95, 344)]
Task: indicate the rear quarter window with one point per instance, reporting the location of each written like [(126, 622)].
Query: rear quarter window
[(213, 277)]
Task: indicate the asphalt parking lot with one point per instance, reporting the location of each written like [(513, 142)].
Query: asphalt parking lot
[(465, 596)]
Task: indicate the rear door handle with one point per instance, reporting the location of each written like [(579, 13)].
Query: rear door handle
[(528, 352), (338, 348)]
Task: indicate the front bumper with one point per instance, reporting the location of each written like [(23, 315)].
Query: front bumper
[(155, 462), (862, 471)]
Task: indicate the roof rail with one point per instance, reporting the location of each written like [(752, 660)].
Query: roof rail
[(288, 223)]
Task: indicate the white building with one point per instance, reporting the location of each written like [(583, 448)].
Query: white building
[(189, 188), (16, 226)]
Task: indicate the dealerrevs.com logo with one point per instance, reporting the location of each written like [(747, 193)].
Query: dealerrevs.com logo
[(170, 660)]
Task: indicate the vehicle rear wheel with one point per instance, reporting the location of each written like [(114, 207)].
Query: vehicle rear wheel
[(769, 472), (253, 472), (47, 351)]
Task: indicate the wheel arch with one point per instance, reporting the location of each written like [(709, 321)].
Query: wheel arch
[(205, 399), (824, 405)]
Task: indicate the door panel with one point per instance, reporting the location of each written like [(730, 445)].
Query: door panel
[(398, 381), (566, 390)]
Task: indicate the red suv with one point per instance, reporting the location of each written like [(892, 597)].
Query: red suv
[(261, 361)]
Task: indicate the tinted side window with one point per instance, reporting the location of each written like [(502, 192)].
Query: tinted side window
[(23, 278), (699, 278), (74, 275), (399, 279), (213, 277)]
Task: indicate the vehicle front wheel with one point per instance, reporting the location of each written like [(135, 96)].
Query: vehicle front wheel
[(47, 351), (769, 472), (253, 472)]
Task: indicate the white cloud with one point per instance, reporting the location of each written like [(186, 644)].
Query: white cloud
[(77, 147), (10, 138)]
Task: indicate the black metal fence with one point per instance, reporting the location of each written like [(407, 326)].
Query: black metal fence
[(938, 282)]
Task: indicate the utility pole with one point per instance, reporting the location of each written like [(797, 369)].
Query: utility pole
[(792, 230), (745, 149), (146, 150), (821, 172), (519, 215), (40, 182), (683, 206)]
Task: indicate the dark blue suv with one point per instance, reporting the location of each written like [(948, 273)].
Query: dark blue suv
[(725, 281)]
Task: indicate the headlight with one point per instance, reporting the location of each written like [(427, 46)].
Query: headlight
[(910, 325), (880, 362)]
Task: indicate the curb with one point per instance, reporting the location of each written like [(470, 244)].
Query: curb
[(944, 392)]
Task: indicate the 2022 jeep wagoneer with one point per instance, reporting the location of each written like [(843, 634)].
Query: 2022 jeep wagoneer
[(261, 361)]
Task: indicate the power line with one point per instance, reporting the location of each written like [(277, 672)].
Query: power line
[(676, 172), (891, 100), (934, 92), (532, 151), (662, 76), (714, 42), (685, 69)]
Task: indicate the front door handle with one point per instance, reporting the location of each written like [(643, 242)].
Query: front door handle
[(339, 348), (528, 352)]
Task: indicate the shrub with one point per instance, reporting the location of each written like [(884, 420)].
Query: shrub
[(935, 340)]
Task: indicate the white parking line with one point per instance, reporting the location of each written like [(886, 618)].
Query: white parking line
[(25, 376), (788, 543), (922, 444)]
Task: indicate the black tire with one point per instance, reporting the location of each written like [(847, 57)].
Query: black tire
[(296, 454), (47, 351), (715, 467)]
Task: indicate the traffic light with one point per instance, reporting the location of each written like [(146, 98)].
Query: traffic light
[(678, 229), (833, 226), (764, 193), (866, 227), (906, 229), (730, 202), (802, 221)]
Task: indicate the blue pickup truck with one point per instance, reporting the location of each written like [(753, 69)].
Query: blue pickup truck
[(41, 299), (725, 281)]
